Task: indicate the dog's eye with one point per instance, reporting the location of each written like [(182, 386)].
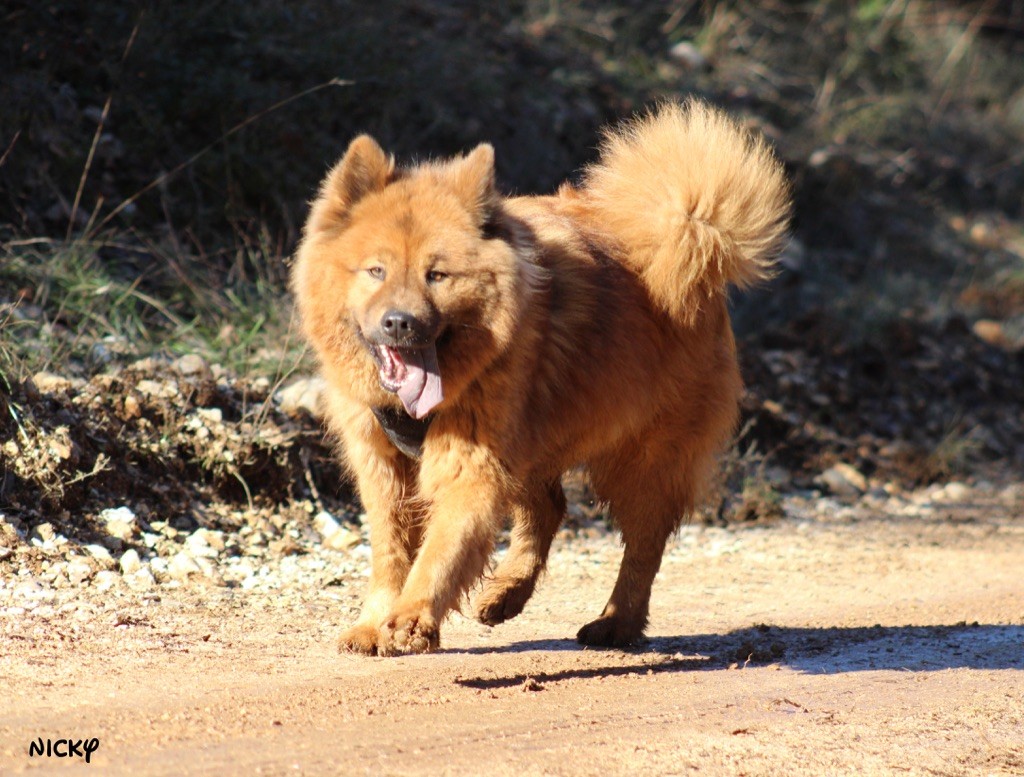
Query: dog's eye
[(376, 272), (433, 276)]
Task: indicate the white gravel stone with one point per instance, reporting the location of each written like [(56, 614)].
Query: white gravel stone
[(302, 395), (190, 364), (43, 533), (198, 546), (141, 579), (953, 492), (843, 480), (101, 555), (106, 580), (78, 571), (325, 524), (343, 539), (183, 566), (687, 54), (130, 562), (155, 388), (49, 383), (333, 534), (32, 593), (120, 522)]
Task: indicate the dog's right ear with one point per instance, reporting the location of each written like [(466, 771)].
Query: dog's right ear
[(364, 169)]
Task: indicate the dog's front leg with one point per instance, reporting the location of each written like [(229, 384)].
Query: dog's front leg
[(386, 480), (467, 492)]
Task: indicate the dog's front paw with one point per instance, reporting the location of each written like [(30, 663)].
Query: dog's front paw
[(361, 638), (411, 630), (502, 599)]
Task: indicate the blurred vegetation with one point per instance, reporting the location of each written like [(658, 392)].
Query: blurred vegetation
[(157, 156)]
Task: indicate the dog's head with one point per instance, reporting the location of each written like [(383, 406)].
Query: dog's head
[(420, 267)]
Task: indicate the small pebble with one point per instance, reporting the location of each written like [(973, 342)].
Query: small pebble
[(78, 571), (130, 562), (182, 566)]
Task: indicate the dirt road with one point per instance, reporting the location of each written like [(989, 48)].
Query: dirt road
[(850, 640)]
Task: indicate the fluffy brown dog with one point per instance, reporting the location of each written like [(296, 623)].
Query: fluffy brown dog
[(477, 347)]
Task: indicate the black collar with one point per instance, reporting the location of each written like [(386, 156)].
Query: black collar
[(405, 432)]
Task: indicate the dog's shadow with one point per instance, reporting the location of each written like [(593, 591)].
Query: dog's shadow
[(811, 650)]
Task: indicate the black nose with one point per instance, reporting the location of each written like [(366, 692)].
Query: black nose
[(402, 328), (396, 323)]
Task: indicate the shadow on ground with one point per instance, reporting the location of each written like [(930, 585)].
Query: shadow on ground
[(811, 650)]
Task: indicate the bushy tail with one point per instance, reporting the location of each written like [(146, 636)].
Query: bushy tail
[(696, 201)]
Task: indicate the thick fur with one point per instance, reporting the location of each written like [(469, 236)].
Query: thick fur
[(588, 327)]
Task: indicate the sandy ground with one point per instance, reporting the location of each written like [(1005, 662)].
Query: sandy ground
[(857, 643)]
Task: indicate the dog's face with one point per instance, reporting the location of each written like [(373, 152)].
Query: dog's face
[(415, 268)]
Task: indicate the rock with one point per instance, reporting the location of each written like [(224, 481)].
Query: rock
[(101, 555), (210, 570), (99, 354), (333, 534), (46, 538), (149, 364), (991, 332), (105, 580), (132, 407), (285, 546), (154, 388), (688, 55), (141, 579), (120, 522), (343, 539), (325, 524), (198, 545), (55, 574), (182, 566), (130, 562), (31, 591), (190, 364), (78, 571), (953, 492), (215, 539), (43, 533), (49, 383), (211, 415), (242, 570), (843, 480), (302, 396)]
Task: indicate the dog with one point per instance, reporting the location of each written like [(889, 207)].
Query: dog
[(476, 347)]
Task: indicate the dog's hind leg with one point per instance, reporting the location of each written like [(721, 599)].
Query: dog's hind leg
[(650, 491), (625, 616), (535, 518)]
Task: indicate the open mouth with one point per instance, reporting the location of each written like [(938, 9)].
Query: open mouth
[(413, 374)]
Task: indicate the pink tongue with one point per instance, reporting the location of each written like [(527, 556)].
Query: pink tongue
[(420, 391)]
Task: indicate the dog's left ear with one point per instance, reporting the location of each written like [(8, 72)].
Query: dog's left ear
[(472, 178)]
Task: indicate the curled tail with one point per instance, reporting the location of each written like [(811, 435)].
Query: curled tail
[(696, 202)]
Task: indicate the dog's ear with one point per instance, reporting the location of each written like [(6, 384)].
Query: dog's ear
[(364, 169), (473, 180)]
